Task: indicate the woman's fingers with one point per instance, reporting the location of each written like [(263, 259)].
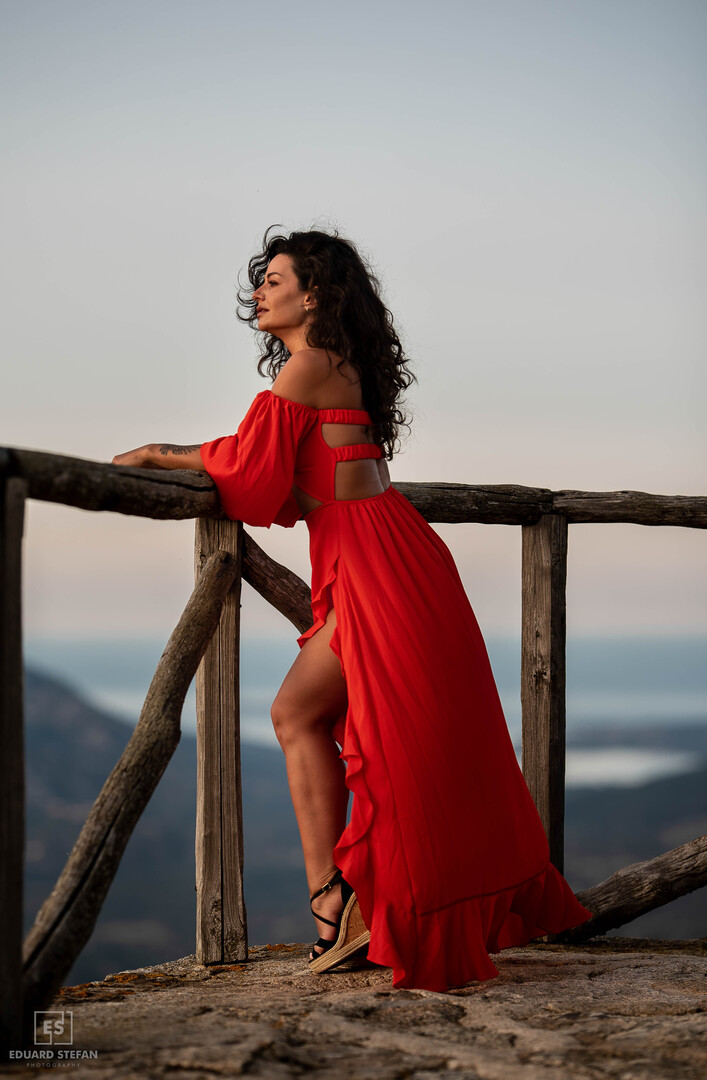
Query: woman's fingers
[(137, 458)]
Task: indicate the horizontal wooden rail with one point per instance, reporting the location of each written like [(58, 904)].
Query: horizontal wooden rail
[(93, 485), (178, 494), (637, 507), (500, 504), (513, 504)]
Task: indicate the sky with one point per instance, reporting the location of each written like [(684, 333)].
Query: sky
[(528, 180)]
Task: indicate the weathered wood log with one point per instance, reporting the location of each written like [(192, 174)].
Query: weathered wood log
[(542, 685), (166, 493), (67, 918), (12, 788), (221, 923), (641, 887), (282, 588), (498, 504), (638, 507), (94, 485)]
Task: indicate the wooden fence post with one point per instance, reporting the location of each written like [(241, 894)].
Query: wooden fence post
[(12, 788), (544, 576), (221, 927)]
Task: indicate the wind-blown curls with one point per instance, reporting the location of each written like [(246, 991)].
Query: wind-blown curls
[(349, 319)]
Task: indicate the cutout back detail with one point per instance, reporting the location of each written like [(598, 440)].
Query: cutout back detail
[(336, 461)]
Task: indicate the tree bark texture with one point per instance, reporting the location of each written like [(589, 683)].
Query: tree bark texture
[(221, 924), (168, 493), (279, 586), (544, 574), (641, 887), (94, 485)]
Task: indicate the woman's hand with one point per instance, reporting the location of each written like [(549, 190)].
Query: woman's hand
[(142, 458), (162, 456)]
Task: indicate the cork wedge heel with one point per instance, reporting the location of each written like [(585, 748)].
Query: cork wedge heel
[(352, 936)]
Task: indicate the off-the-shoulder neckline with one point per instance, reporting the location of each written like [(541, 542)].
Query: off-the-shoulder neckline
[(311, 408), (289, 401)]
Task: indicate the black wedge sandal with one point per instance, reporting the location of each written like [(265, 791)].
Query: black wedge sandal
[(352, 935)]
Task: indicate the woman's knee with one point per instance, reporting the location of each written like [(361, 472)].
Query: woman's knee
[(279, 717), (313, 695), (291, 720)]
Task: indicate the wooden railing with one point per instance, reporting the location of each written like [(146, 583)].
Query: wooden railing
[(206, 642)]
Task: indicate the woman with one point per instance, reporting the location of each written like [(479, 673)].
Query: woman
[(444, 858)]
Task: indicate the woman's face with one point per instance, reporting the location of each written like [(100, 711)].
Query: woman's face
[(281, 302)]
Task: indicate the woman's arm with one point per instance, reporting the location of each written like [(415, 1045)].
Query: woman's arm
[(162, 456), (300, 380)]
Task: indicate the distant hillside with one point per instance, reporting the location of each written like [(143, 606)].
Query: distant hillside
[(149, 913)]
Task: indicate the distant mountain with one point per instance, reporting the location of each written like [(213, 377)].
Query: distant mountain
[(149, 914)]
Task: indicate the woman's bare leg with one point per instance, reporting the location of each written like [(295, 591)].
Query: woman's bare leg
[(310, 700)]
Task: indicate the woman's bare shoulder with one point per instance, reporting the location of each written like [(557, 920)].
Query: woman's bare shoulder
[(311, 377), (301, 377)]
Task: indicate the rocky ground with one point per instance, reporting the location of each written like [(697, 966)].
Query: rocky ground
[(617, 1008)]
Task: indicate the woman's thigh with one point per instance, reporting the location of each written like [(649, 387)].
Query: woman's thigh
[(314, 690)]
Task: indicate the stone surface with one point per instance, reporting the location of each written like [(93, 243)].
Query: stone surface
[(617, 1008)]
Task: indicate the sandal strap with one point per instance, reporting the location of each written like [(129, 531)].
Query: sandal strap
[(327, 921), (333, 880), (321, 943)]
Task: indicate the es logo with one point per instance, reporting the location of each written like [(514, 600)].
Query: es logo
[(54, 1028)]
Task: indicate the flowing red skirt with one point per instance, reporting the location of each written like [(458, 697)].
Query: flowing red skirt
[(444, 846)]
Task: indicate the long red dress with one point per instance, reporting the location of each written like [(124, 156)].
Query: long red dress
[(444, 847)]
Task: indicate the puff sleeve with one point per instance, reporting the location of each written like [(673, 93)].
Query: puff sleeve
[(254, 469)]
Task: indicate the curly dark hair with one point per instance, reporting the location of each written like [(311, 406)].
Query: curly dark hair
[(349, 319)]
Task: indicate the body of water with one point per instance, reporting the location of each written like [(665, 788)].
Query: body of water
[(623, 682)]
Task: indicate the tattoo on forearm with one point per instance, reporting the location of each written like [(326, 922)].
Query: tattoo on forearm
[(170, 448)]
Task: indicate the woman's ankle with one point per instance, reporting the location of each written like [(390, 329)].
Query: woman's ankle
[(321, 883)]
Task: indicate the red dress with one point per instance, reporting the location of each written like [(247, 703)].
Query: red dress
[(444, 847)]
